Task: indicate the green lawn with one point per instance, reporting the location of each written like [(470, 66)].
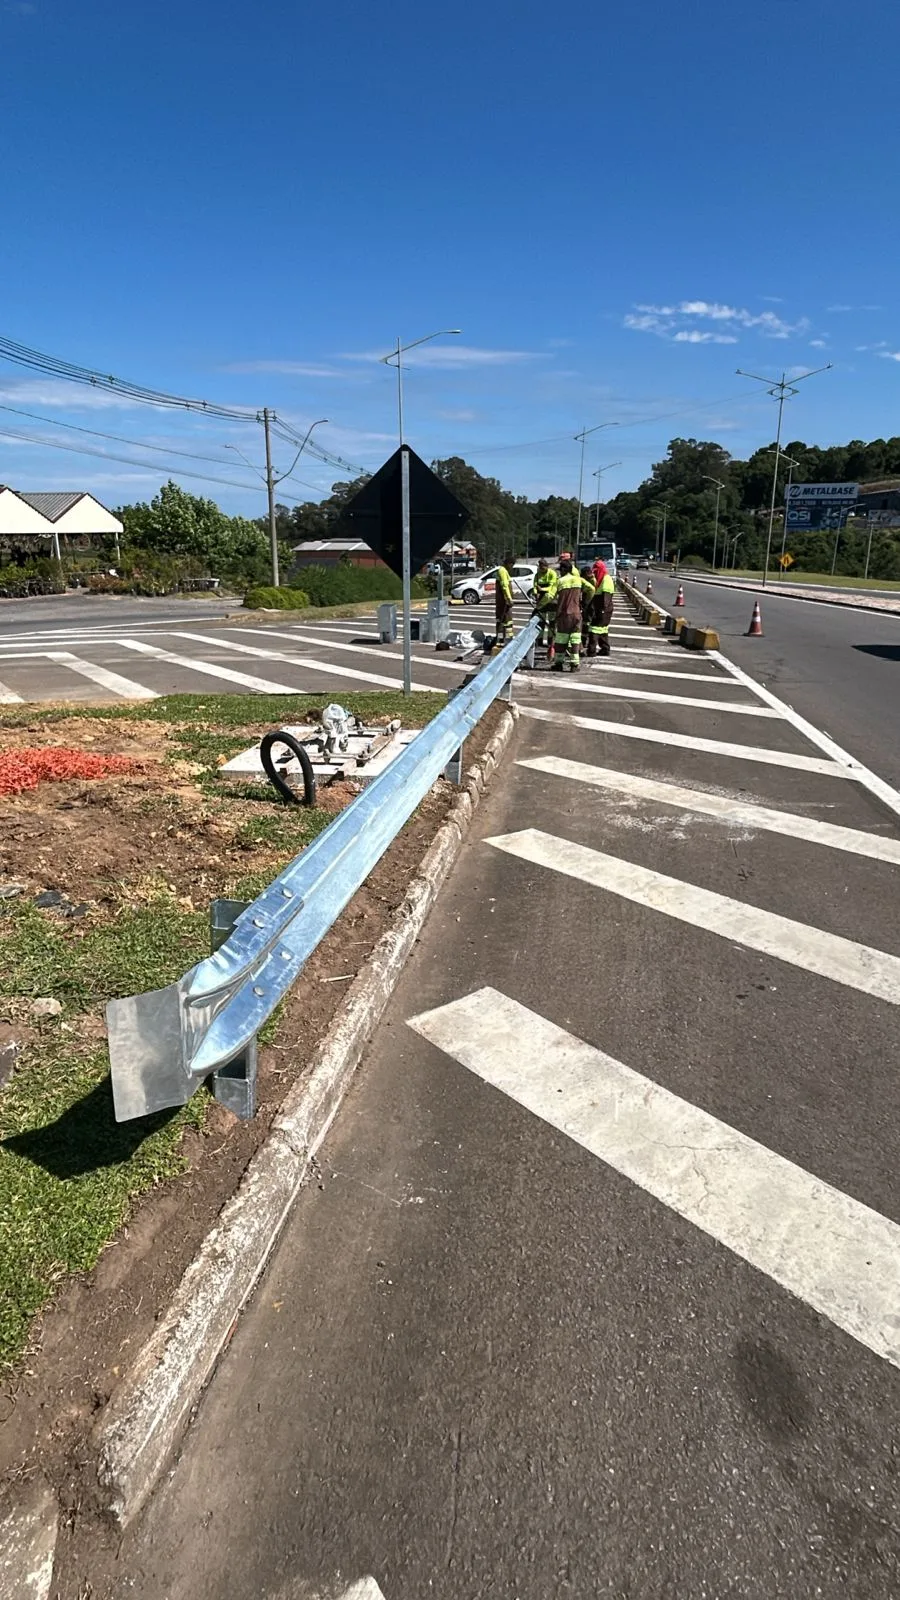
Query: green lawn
[(68, 1171), (839, 581)]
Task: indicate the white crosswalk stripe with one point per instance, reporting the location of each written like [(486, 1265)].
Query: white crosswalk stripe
[(837, 1255), (103, 677), (617, 692), (8, 697), (210, 669), (440, 661), (874, 972), (328, 667), (609, 664), (690, 741), (733, 812)]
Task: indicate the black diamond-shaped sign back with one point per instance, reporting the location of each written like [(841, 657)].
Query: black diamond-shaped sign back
[(374, 514)]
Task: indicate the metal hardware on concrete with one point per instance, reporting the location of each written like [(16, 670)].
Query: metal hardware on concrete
[(162, 1044), (387, 622)]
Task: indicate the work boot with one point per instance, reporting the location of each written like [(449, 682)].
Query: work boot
[(604, 647), (592, 647), (557, 666)]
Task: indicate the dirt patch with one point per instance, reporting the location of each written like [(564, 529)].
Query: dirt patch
[(97, 842)]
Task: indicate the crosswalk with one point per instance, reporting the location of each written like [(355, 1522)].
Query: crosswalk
[(667, 853), (181, 654)]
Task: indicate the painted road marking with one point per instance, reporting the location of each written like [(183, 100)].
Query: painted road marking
[(209, 668), (617, 692), (105, 633), (690, 741), (737, 813), (306, 661), (107, 680), (877, 786), (9, 698), (605, 664), (353, 649), (837, 1255), (828, 955)]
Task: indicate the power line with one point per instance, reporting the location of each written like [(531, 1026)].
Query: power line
[(635, 422), (108, 455), (54, 366)]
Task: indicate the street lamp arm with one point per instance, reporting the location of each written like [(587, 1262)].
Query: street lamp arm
[(282, 475), (401, 349)]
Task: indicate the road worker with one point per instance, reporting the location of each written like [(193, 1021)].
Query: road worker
[(600, 613), (546, 583), (588, 589), (567, 629), (503, 600)]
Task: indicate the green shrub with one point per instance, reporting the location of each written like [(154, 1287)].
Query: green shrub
[(37, 577), (344, 584), (268, 599)]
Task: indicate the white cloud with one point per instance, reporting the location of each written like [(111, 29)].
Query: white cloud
[(890, 355), (695, 336), (818, 344), (668, 322), (66, 396), (452, 355), (296, 369), (462, 415), (854, 308), (881, 345), (773, 299)]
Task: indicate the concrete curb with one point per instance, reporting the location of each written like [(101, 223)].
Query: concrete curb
[(141, 1426)]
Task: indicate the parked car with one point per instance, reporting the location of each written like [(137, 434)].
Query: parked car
[(482, 585)]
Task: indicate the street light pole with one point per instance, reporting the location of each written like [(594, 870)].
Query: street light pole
[(405, 510), (599, 476), (585, 432), (780, 389), (719, 487)]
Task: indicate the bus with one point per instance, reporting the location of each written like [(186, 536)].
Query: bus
[(597, 547)]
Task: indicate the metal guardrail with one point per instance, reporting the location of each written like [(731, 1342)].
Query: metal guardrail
[(162, 1044)]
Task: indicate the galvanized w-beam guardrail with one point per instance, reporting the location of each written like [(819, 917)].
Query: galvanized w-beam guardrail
[(162, 1044)]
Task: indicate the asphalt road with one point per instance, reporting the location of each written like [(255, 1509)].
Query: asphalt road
[(82, 611), (595, 1290), (836, 666)]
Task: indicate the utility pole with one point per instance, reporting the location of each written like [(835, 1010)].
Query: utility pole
[(584, 434), (870, 518), (780, 389), (719, 487), (270, 490), (271, 479), (662, 555)]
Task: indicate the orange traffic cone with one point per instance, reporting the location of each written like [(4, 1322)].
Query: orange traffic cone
[(679, 598), (755, 629), (649, 588)]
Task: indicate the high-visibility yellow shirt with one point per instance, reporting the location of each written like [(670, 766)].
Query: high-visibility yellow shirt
[(503, 583)]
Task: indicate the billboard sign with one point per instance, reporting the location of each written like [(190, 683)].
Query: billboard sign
[(809, 506)]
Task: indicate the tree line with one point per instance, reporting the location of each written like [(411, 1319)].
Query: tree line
[(679, 489)]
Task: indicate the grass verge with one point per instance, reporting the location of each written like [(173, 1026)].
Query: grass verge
[(145, 856), (825, 579)]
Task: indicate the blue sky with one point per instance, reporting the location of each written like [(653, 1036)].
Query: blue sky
[(618, 207)]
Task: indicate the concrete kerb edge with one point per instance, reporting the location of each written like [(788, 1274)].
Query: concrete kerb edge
[(140, 1429)]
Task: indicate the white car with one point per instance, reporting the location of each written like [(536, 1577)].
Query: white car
[(482, 585)]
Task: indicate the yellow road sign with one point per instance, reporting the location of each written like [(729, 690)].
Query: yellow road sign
[(787, 559)]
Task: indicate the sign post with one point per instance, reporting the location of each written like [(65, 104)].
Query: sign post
[(407, 571), (404, 514)]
